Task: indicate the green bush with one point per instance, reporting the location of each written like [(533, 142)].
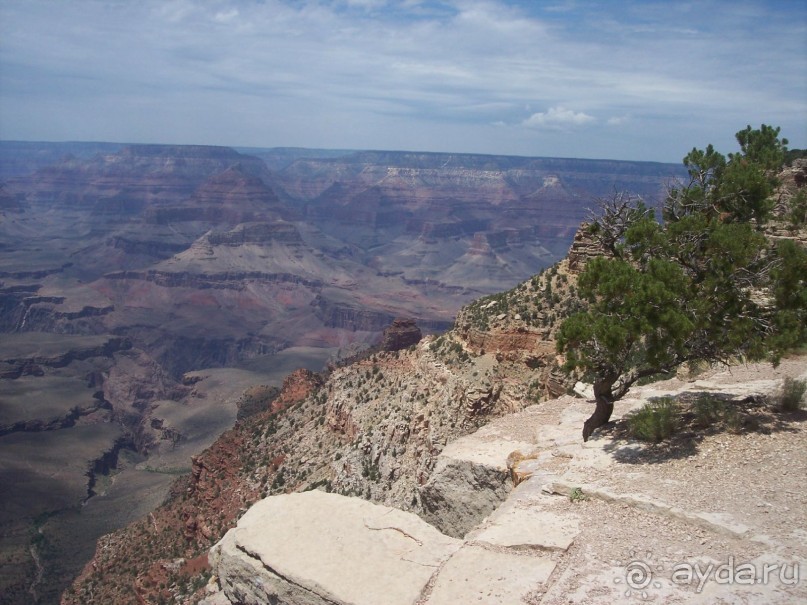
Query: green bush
[(792, 394), (708, 411), (797, 213), (655, 421), (577, 495)]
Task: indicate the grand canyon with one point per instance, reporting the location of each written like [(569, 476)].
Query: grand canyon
[(146, 288)]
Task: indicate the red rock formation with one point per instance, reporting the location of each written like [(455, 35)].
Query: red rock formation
[(230, 197), (135, 178), (296, 386), (402, 333), (584, 247)]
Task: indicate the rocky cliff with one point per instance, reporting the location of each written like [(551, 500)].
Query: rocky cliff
[(401, 334), (487, 220), (134, 178), (467, 476), (524, 507)]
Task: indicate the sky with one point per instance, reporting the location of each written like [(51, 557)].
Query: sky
[(633, 80)]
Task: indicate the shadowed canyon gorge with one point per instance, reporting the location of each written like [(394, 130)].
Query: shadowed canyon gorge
[(148, 292)]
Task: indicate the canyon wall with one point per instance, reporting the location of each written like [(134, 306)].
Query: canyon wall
[(160, 282)]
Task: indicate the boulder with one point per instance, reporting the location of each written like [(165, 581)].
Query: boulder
[(316, 548)]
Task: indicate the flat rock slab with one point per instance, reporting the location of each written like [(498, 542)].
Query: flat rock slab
[(529, 527), (217, 598), (316, 548), (529, 518), (485, 447), (477, 575)]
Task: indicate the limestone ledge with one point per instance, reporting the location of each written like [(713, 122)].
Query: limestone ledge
[(479, 539)]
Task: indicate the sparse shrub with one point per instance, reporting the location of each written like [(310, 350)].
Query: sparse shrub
[(792, 394), (371, 471), (655, 421), (577, 495), (708, 411), (712, 412), (734, 418)]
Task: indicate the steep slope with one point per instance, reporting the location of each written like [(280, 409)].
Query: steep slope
[(688, 530)]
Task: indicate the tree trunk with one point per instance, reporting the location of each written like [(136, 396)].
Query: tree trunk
[(605, 406)]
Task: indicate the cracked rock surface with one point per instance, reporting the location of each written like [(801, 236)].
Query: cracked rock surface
[(318, 548)]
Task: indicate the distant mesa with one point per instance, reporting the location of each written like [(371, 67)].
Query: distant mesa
[(180, 151)]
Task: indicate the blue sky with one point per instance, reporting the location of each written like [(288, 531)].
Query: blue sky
[(623, 80)]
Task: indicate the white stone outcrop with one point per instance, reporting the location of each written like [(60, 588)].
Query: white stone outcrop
[(543, 540), (316, 548)]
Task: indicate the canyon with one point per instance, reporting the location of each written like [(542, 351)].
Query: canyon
[(453, 469), (146, 290)]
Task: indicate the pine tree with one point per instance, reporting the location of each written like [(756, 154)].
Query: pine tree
[(704, 284)]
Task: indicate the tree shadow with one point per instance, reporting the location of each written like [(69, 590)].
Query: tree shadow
[(702, 414)]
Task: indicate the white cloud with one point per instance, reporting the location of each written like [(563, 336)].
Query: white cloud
[(175, 11), (226, 16), (557, 117)]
